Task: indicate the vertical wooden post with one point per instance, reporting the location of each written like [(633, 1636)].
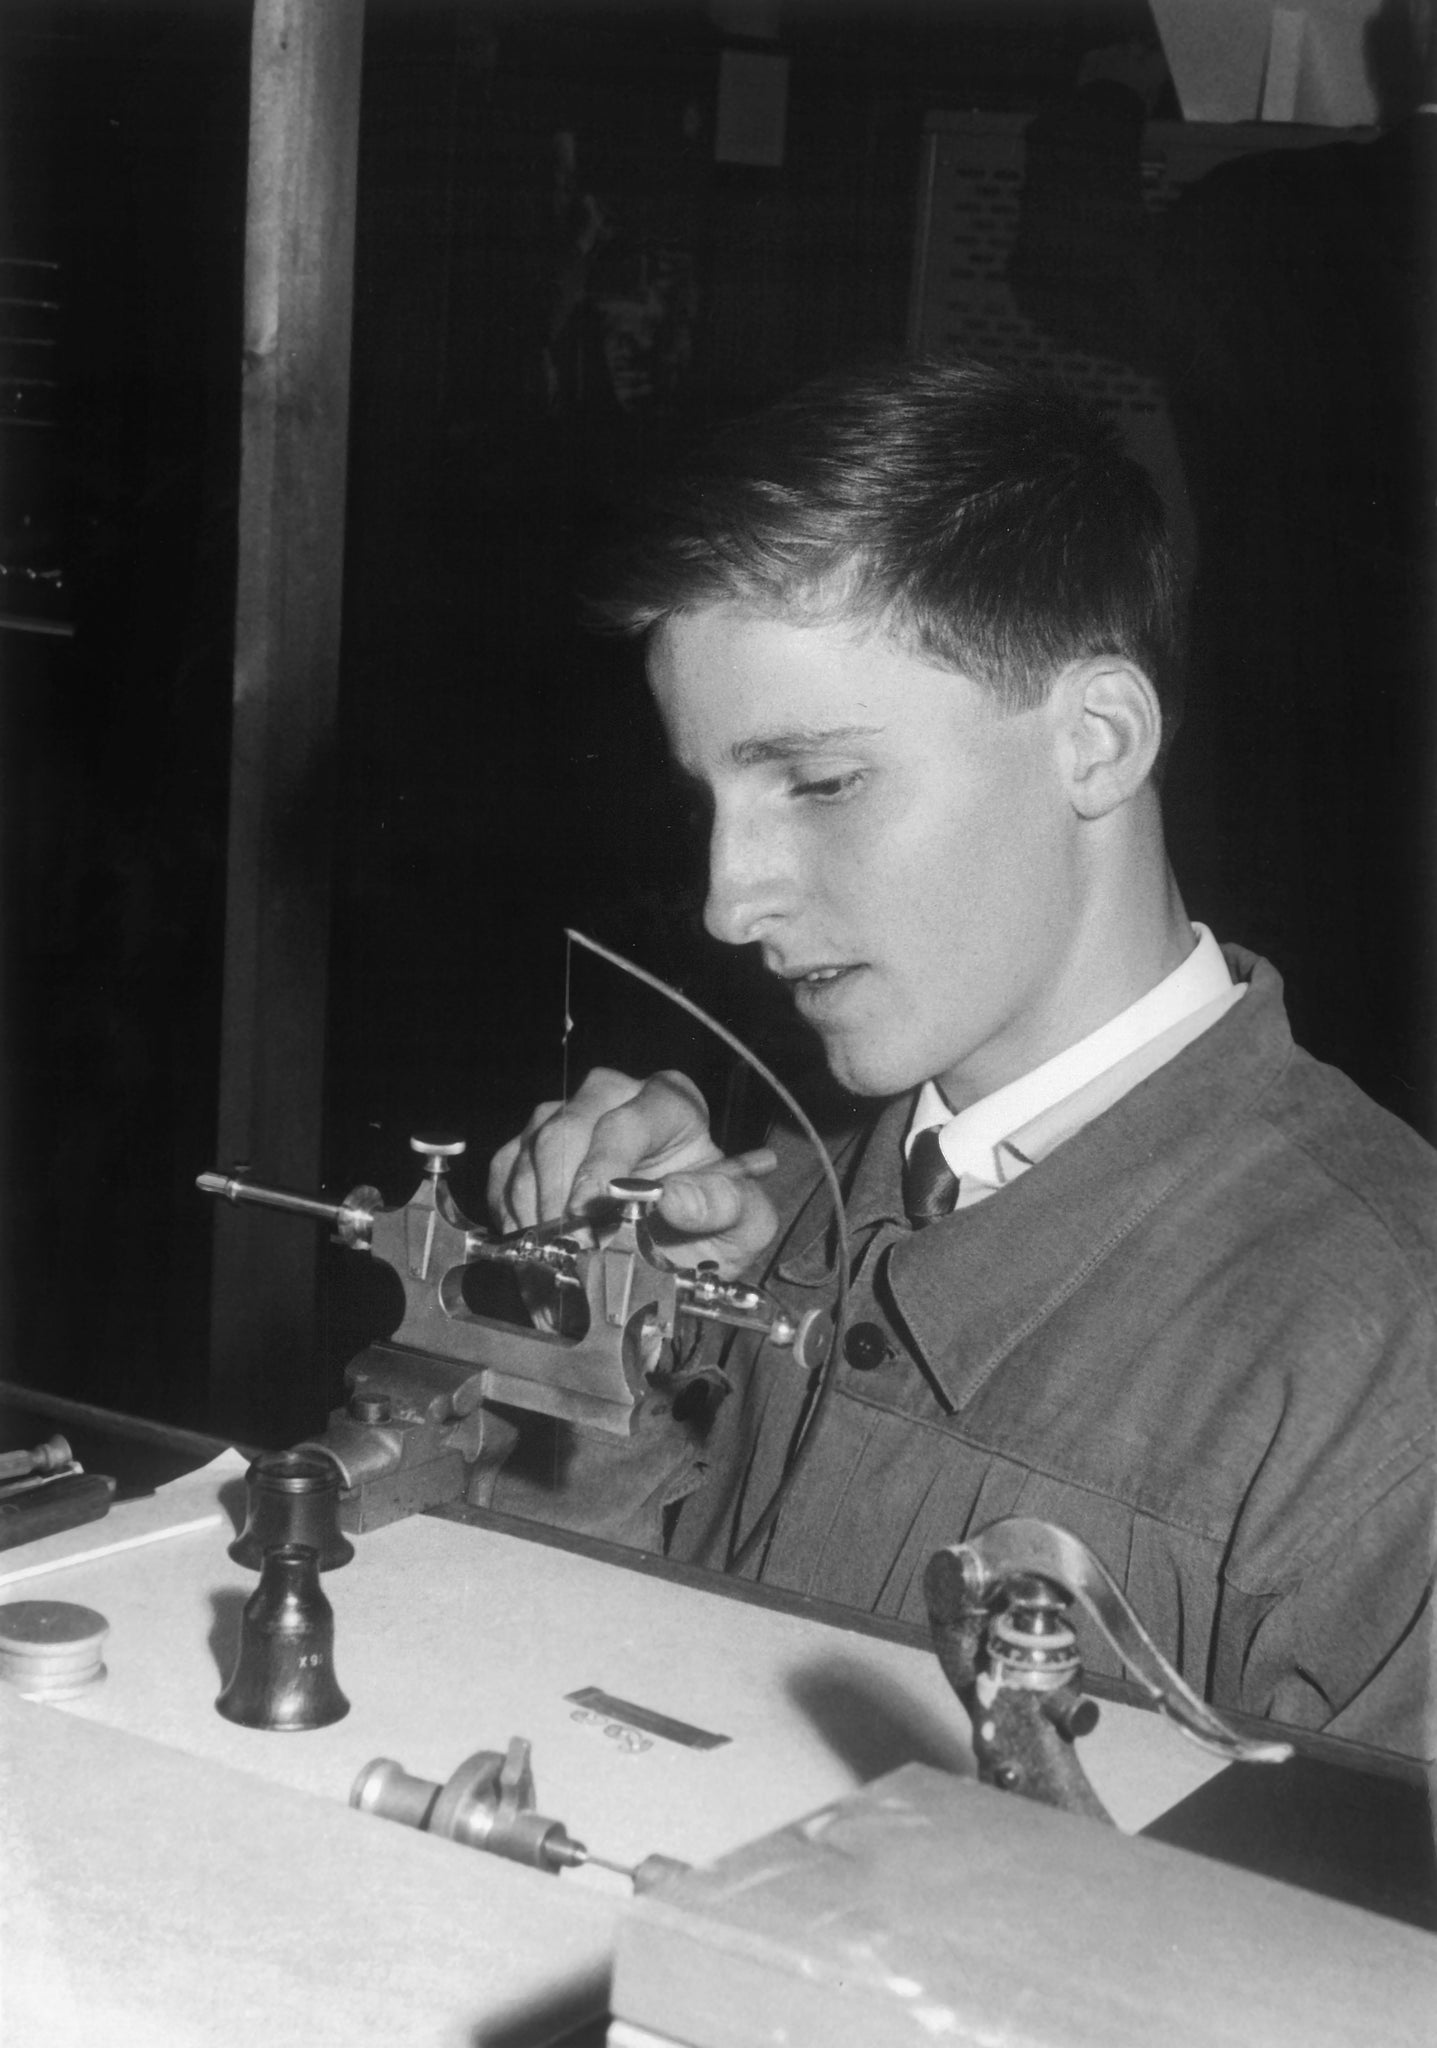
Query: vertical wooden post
[(299, 264)]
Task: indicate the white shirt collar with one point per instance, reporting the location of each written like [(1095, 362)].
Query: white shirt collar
[(972, 1138)]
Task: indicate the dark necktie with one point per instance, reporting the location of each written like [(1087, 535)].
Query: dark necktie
[(930, 1186)]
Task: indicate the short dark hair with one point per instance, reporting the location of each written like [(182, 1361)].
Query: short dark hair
[(989, 519)]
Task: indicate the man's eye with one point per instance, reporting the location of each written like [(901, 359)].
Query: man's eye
[(828, 788)]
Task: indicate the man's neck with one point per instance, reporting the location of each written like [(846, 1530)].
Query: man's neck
[(1132, 934)]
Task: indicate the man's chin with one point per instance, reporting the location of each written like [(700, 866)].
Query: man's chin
[(867, 1071)]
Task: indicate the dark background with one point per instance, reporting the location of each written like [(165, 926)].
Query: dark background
[(499, 772)]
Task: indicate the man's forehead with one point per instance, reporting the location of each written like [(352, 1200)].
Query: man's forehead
[(764, 685), (734, 619), (757, 697), (718, 650)]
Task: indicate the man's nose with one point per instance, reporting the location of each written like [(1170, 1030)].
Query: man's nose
[(750, 880)]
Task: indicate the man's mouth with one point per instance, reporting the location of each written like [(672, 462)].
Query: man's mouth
[(812, 985), (823, 970)]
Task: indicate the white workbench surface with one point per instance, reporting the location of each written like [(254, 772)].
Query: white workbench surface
[(172, 1879)]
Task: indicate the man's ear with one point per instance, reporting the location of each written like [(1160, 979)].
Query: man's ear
[(1110, 727)]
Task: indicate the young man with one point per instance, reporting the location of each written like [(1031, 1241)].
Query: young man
[(1167, 1282)]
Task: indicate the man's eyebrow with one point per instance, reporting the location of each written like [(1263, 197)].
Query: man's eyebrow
[(796, 743)]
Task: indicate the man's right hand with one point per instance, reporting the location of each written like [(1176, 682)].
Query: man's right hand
[(561, 1164)]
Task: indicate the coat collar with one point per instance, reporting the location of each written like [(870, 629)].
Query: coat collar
[(949, 1289)]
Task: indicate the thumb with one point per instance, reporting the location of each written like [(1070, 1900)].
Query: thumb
[(702, 1204)]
